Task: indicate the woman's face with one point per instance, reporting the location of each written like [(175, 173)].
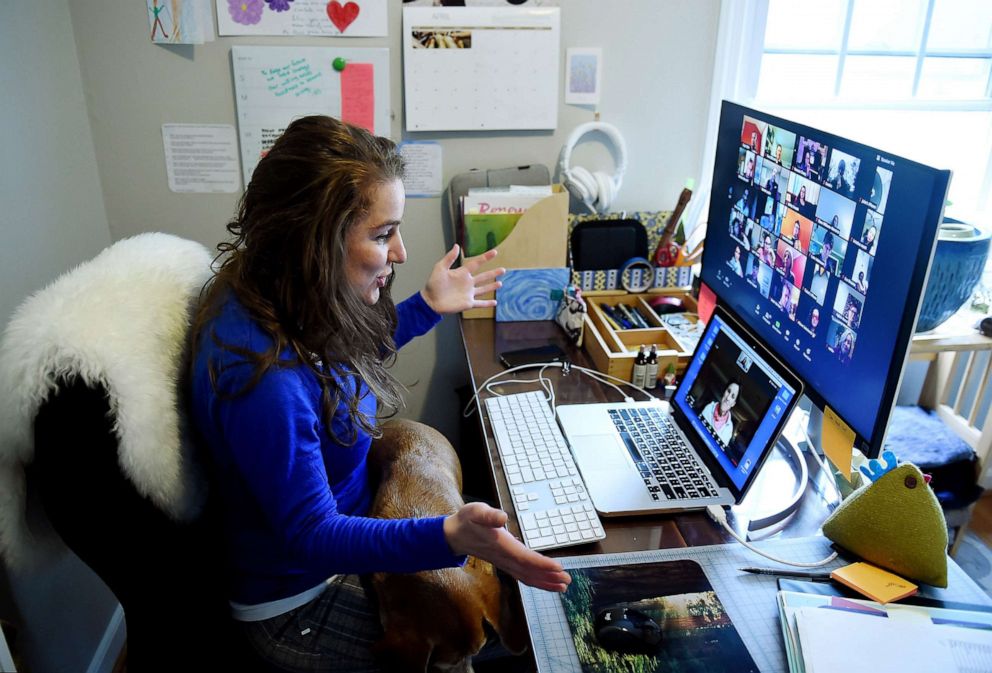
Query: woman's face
[(373, 244), (729, 398), (870, 235), (802, 194)]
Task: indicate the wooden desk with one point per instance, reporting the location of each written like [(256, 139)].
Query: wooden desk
[(484, 339)]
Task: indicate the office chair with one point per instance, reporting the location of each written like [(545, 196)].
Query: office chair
[(92, 429), (948, 434)]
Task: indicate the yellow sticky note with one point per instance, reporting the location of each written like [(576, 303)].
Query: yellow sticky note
[(875, 583), (838, 442)]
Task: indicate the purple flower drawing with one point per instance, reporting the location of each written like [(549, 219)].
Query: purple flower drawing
[(247, 12), (278, 5)]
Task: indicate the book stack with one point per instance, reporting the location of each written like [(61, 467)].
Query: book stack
[(829, 633), (489, 214)]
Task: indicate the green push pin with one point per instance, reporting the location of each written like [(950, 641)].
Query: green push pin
[(339, 64)]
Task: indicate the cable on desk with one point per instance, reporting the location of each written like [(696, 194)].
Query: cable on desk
[(547, 384), (820, 461), (716, 513)]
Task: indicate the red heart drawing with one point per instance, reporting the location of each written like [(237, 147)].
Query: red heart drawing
[(342, 15)]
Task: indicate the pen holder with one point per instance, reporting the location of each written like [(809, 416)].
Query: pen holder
[(896, 523)]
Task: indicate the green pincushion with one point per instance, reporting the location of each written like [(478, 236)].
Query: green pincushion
[(895, 523)]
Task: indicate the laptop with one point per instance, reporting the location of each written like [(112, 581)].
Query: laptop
[(705, 447)]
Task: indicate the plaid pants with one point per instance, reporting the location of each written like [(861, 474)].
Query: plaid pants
[(333, 632)]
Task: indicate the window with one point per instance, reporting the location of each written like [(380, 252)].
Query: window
[(912, 76)]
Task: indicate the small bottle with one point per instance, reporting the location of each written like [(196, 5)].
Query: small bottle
[(640, 368), (651, 369)]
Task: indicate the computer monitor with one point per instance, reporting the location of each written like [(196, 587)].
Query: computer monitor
[(822, 246)]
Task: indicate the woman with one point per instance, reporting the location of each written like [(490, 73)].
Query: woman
[(868, 237), (717, 413), (845, 347), (735, 261), (293, 340)]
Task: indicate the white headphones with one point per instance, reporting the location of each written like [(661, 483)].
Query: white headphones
[(597, 190)]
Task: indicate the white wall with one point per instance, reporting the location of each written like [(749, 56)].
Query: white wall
[(51, 217), (658, 58)]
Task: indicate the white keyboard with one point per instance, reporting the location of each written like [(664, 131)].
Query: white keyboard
[(553, 507)]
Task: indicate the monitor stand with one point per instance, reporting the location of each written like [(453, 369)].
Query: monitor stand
[(778, 492)]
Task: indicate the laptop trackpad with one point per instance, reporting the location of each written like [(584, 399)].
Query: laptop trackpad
[(599, 453)]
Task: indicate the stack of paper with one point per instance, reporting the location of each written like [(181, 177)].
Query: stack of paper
[(833, 633), (489, 214)]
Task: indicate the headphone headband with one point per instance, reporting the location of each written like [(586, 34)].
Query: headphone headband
[(595, 195), (611, 132)]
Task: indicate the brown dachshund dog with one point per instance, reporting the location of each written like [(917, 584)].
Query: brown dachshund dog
[(433, 620)]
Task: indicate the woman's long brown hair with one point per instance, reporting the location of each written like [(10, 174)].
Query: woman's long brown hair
[(285, 265)]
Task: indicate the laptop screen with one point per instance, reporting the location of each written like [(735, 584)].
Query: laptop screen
[(735, 398)]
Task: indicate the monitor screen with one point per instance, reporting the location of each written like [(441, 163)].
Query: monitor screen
[(822, 246)]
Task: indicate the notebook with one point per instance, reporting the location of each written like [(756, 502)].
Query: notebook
[(705, 447)]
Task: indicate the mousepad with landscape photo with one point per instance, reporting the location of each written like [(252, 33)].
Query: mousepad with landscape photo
[(697, 634)]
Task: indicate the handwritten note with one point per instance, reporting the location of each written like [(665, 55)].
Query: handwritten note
[(293, 78), (275, 85)]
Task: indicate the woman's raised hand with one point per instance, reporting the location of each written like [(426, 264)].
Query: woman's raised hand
[(453, 290)]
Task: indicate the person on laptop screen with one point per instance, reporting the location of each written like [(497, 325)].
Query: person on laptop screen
[(716, 414)]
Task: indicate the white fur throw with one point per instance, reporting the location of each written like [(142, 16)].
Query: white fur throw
[(120, 320)]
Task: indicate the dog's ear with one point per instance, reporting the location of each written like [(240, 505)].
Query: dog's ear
[(399, 650)]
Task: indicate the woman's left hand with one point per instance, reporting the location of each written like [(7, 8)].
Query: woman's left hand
[(452, 290)]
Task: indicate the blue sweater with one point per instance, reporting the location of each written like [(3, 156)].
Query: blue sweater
[(293, 499)]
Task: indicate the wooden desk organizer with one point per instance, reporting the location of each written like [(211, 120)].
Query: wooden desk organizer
[(613, 351)]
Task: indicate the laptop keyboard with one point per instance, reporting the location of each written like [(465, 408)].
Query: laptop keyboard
[(668, 466), (553, 507)]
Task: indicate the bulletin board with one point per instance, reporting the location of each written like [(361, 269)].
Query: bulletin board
[(481, 68), (275, 85)]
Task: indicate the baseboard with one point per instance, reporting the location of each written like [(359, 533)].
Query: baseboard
[(110, 645)]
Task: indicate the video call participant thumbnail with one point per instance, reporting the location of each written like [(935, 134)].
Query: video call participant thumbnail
[(841, 341), (811, 159), (843, 173), (730, 397), (870, 230)]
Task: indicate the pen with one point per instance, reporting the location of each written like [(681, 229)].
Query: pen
[(799, 574)]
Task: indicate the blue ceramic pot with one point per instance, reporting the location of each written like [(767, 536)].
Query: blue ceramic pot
[(958, 262)]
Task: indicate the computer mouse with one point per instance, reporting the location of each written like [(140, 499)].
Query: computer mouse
[(985, 327), (626, 630)]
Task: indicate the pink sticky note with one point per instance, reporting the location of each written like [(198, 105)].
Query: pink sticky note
[(358, 95), (706, 303)]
